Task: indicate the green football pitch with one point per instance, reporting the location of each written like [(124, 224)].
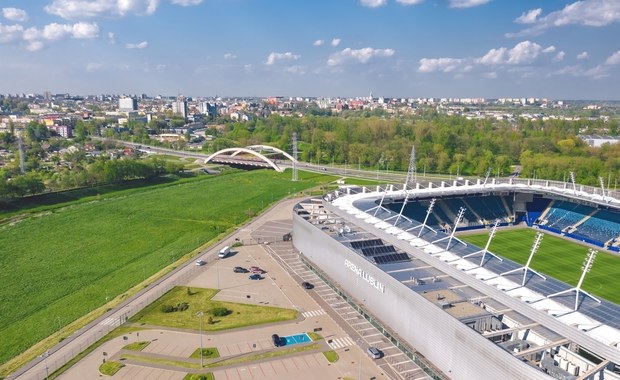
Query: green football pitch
[(558, 258)]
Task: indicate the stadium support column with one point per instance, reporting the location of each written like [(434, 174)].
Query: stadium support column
[(486, 248), (456, 224), (400, 214), (380, 205), (527, 268), (429, 210), (587, 265)]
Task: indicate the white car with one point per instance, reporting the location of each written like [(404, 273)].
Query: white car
[(200, 262)]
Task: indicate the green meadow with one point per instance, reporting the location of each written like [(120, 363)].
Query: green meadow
[(61, 261)]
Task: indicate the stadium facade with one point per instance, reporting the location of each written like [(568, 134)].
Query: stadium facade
[(462, 310)]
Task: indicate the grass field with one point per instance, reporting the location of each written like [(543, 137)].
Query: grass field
[(558, 258), (63, 261), (201, 300)]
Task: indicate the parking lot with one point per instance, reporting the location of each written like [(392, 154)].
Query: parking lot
[(277, 288)]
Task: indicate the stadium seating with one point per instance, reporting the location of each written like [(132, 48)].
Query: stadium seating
[(566, 214), (602, 226)]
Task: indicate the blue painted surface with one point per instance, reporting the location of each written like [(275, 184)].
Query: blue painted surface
[(295, 339)]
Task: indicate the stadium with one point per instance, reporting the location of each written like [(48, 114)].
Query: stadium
[(462, 311)]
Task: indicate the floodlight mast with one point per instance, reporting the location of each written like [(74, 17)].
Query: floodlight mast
[(527, 268), (572, 179), (587, 266), (486, 248), (456, 223), (429, 210)]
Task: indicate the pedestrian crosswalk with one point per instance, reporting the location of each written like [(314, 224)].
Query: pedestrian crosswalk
[(340, 343), (313, 313), (110, 322)]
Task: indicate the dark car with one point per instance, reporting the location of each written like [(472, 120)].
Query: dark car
[(277, 341), (255, 276), (307, 285), (240, 270)]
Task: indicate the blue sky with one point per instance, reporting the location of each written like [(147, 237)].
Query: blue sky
[(559, 49)]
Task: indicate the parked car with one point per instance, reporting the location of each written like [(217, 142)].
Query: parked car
[(240, 270), (374, 352), (200, 262), (307, 285), (255, 276), (256, 270), (277, 341)]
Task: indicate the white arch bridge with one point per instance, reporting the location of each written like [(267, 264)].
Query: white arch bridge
[(239, 156)]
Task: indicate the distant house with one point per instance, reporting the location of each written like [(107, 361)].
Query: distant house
[(596, 141)]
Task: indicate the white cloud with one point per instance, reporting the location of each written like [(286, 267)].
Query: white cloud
[(141, 45), (54, 32), (336, 42), (10, 33), (559, 57), (15, 14), (186, 3), (529, 17), (491, 75), (494, 57), (80, 9), (229, 56), (296, 69), (446, 65), (409, 2), (318, 42), (373, 3), (583, 55), (613, 59), (111, 38), (35, 46), (594, 13), (467, 3), (274, 57), (360, 55), (524, 53)]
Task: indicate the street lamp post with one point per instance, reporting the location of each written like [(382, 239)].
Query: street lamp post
[(200, 314), (45, 355)]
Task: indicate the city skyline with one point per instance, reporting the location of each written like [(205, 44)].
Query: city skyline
[(402, 48)]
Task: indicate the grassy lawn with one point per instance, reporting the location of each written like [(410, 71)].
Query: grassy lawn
[(314, 336), (558, 258), (201, 300), (207, 353), (110, 368), (136, 346), (195, 376), (68, 259), (331, 356)]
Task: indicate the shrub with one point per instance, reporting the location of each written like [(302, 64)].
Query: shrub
[(167, 308), (182, 306), (220, 312)]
